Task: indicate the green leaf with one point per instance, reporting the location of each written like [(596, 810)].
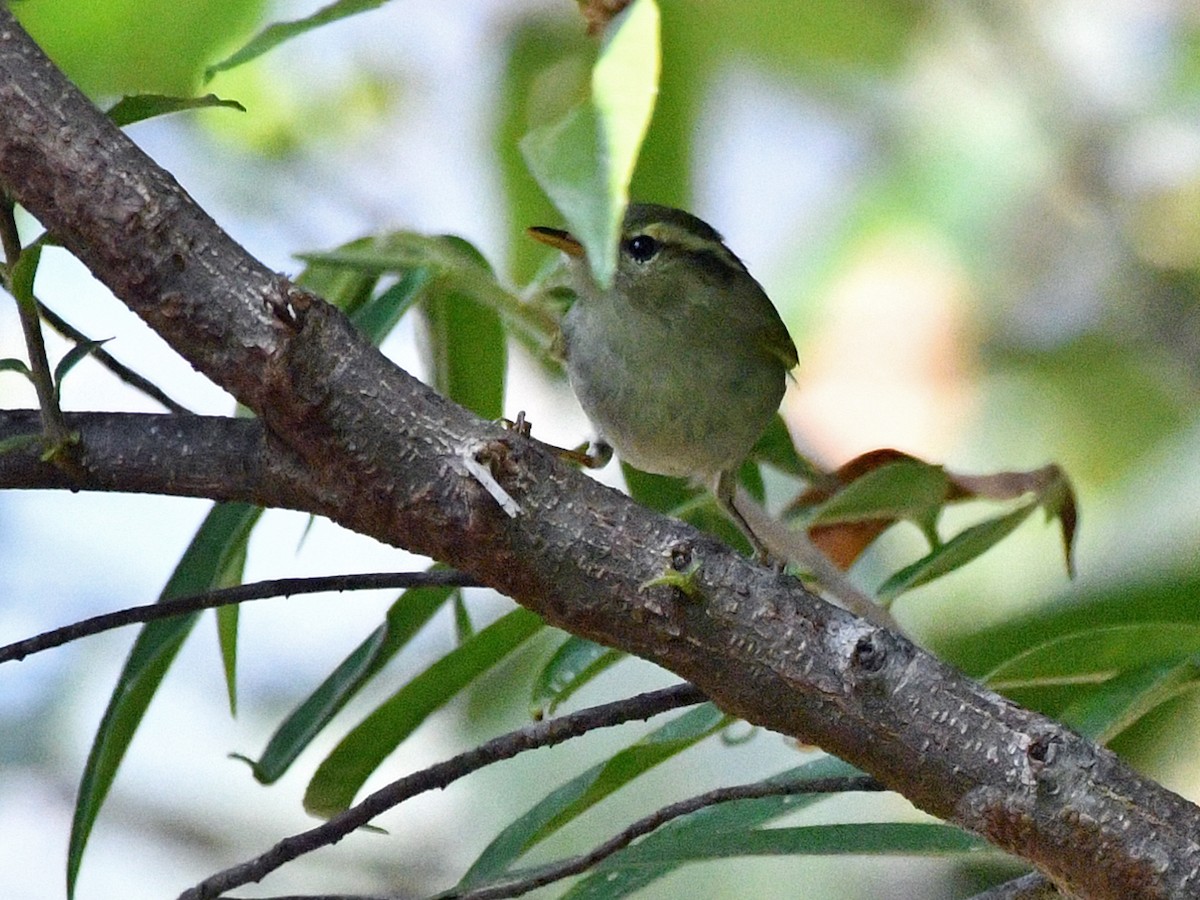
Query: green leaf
[(360, 753), (1167, 598), (72, 358), (202, 567), (119, 47), (659, 492), (776, 448), (585, 161), (466, 349), (458, 266), (905, 489), (1119, 702), (711, 825), (138, 107), (581, 793), (547, 69), (858, 839), (576, 662), (348, 288), (405, 618), (23, 273), (379, 315), (9, 364), (227, 623), (274, 35), (1093, 655), (464, 628), (955, 553), (624, 88), (676, 497)]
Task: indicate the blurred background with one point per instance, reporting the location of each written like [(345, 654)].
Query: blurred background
[(980, 220)]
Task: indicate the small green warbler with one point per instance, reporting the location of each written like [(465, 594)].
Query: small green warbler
[(682, 362)]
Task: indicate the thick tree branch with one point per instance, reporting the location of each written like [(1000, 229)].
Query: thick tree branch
[(379, 452), (183, 456)]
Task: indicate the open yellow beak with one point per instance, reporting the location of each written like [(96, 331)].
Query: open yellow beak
[(562, 240)]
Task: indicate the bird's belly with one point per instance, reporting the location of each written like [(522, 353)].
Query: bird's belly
[(682, 416)]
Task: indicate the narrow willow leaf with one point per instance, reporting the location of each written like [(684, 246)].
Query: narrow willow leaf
[(859, 838), (346, 287), (274, 35), (611, 878), (464, 628), (1049, 483), (379, 315), (227, 633), (659, 492), (224, 530), (10, 364), (24, 272), (585, 161), (451, 260), (525, 96), (676, 497), (576, 662), (1168, 595), (624, 90), (138, 107), (628, 871), (360, 752), (1119, 702), (466, 349), (1094, 655), (565, 159), (227, 622), (73, 356), (584, 791), (71, 359), (406, 617), (777, 449), (956, 552)]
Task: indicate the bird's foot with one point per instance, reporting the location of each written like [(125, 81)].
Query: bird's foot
[(595, 455)]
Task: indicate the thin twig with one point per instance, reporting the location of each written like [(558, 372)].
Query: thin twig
[(520, 883), (538, 734), (114, 365), (227, 596), (57, 435)]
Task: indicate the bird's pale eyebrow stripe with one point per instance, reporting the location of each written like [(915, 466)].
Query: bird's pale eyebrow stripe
[(670, 235)]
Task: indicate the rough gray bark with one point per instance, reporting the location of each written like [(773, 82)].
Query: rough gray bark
[(366, 444)]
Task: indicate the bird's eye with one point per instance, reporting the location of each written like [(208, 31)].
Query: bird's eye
[(641, 247)]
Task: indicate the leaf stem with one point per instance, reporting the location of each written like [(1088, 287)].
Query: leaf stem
[(58, 436)]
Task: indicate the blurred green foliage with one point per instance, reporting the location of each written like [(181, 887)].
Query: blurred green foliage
[(112, 47), (1043, 193)]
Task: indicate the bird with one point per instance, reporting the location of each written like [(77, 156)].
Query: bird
[(681, 363)]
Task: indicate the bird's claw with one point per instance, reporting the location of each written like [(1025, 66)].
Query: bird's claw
[(584, 455)]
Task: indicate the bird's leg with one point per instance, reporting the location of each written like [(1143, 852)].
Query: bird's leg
[(594, 455), (724, 490)]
